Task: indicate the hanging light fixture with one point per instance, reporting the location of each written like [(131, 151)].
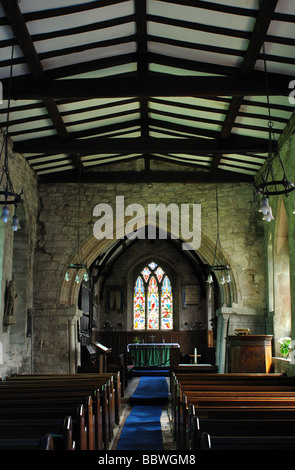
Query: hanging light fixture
[(8, 196), (268, 186), (219, 263), (77, 265)]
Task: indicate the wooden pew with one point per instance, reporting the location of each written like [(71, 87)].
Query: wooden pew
[(251, 401), (99, 378), (22, 410), (110, 405), (46, 442), (61, 430), (225, 411), (246, 443), (55, 399), (27, 408), (96, 404)]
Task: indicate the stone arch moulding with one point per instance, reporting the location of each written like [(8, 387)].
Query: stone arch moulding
[(92, 248)]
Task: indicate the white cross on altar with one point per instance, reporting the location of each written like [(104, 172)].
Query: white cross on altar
[(152, 338)]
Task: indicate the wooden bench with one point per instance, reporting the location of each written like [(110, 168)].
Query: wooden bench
[(242, 408), (61, 431), (22, 410), (225, 397), (52, 395), (57, 403), (246, 443), (111, 380), (97, 406), (46, 442)]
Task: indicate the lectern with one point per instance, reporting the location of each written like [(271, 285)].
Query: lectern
[(101, 356), (249, 353)]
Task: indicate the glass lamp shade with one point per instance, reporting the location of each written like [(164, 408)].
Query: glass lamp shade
[(15, 223), (264, 207), (5, 214), (268, 216), (210, 279)]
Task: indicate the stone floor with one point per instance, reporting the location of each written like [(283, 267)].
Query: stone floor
[(166, 424)]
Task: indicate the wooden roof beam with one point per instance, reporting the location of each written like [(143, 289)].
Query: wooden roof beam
[(22, 35), (132, 86), (258, 37), (95, 145), (135, 177)]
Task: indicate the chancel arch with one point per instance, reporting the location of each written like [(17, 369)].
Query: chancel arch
[(93, 250)]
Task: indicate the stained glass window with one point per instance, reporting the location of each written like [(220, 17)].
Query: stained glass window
[(166, 305), (153, 305), (153, 299), (146, 272), (139, 305), (152, 265), (159, 273)]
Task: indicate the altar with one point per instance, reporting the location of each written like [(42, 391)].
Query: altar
[(154, 354)]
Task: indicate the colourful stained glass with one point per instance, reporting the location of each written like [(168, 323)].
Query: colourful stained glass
[(146, 272), (153, 305), (139, 305), (152, 265), (166, 305), (159, 272), (153, 300)]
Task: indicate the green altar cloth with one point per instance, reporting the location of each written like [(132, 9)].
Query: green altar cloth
[(151, 354)]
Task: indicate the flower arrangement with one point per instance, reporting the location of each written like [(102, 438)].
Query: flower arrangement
[(285, 345)]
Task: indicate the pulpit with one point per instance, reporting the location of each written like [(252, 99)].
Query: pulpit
[(249, 353), (154, 354)]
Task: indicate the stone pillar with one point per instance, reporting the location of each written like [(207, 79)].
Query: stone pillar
[(55, 340), (222, 330), (210, 312)]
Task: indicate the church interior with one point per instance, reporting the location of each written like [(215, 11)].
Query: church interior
[(147, 220)]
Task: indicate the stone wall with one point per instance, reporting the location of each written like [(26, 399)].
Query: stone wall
[(240, 233), (280, 247), (17, 255)]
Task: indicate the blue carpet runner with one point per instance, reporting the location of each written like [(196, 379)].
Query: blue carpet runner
[(142, 429)]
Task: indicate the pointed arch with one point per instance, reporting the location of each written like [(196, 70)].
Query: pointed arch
[(92, 248)]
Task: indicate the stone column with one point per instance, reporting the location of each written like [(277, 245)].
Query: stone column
[(210, 312), (222, 327), (55, 340)]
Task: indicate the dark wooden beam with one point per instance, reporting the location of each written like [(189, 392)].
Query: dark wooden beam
[(216, 7), (194, 146), (142, 69), (26, 44), (27, 88), (135, 177), (258, 37)]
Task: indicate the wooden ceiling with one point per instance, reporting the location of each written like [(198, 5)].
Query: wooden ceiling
[(179, 85)]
